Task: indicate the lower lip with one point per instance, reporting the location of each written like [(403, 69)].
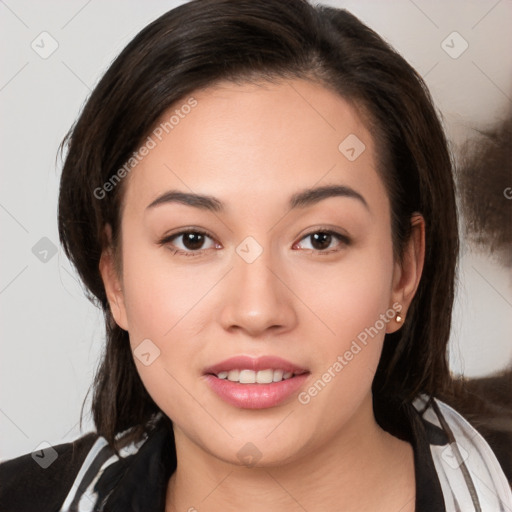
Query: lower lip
[(255, 396)]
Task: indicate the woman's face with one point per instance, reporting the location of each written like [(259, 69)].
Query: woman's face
[(275, 270)]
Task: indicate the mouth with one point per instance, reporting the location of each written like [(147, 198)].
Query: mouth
[(260, 383)]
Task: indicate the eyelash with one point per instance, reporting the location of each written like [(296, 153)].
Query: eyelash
[(167, 239)]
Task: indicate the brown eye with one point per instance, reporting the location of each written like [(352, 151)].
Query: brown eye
[(191, 244), (323, 240)]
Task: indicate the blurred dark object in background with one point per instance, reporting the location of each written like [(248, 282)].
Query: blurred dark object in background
[(484, 176)]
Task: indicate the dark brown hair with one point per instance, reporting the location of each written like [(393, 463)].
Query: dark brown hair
[(204, 41)]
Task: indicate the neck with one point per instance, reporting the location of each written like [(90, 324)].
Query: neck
[(361, 468)]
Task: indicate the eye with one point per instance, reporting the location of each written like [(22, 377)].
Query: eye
[(188, 243), (192, 242), (321, 241)]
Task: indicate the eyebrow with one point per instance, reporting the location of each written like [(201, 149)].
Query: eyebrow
[(300, 199)]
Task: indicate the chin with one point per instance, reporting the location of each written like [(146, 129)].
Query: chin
[(259, 450)]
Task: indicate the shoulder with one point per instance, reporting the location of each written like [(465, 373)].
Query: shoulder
[(88, 474), (467, 468), (41, 480)]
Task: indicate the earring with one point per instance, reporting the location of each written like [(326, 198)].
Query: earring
[(399, 318)]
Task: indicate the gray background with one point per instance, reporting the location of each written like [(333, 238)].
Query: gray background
[(51, 336)]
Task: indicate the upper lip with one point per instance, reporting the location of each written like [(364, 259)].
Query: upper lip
[(255, 364)]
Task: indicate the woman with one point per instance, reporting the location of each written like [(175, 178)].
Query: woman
[(260, 197)]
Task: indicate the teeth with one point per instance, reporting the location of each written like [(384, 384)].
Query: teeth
[(265, 376), (278, 375), (252, 377), (233, 375), (247, 377)]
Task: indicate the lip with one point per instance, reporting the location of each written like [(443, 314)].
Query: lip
[(255, 364), (255, 396)]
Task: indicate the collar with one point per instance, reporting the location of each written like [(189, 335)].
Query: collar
[(140, 481), (405, 421)]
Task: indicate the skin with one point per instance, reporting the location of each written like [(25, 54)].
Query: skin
[(252, 147)]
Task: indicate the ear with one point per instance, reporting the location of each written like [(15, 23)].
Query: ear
[(407, 273), (112, 281)]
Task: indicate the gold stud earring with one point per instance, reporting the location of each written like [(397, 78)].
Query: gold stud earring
[(399, 318)]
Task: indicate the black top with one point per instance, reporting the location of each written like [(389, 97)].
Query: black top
[(86, 475)]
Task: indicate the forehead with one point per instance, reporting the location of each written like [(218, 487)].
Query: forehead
[(255, 141)]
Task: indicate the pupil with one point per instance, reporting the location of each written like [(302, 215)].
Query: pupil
[(322, 238), (193, 240)]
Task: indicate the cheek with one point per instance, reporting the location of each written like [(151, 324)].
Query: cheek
[(159, 307), (158, 295), (349, 296), (168, 306)]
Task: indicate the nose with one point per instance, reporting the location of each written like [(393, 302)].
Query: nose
[(257, 298)]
